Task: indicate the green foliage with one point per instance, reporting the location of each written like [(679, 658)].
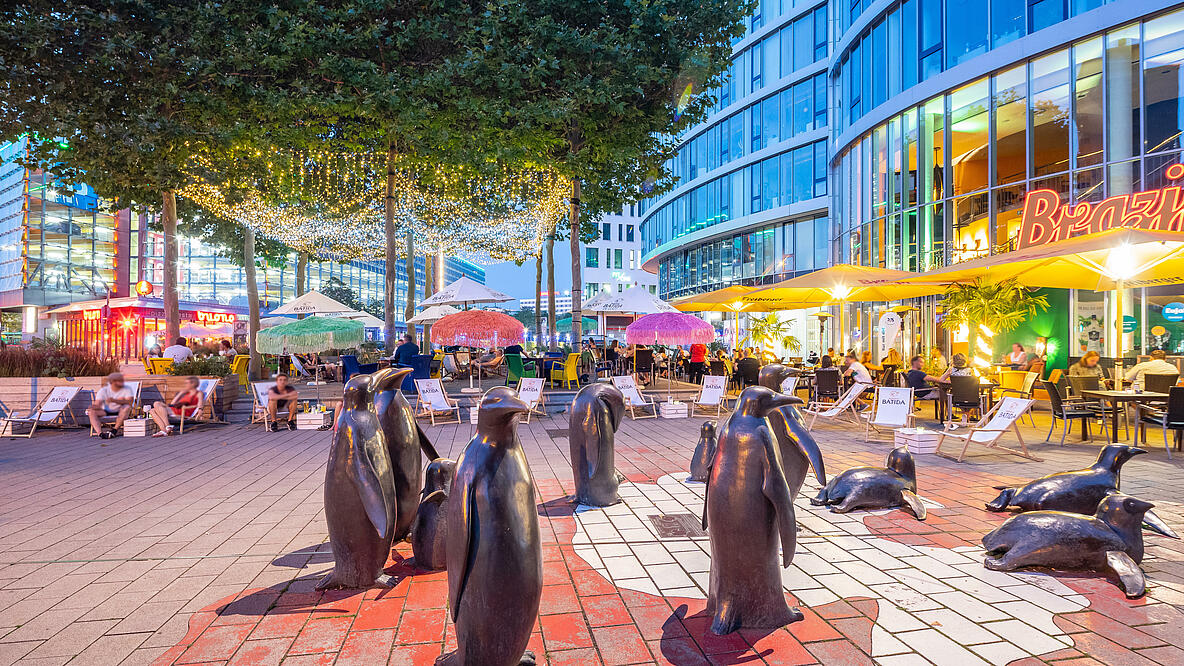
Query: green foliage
[(1001, 306), (48, 358), (526, 316), (209, 366), (770, 328), (342, 293)]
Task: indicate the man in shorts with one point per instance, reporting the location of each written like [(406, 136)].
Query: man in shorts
[(282, 396), (114, 399)]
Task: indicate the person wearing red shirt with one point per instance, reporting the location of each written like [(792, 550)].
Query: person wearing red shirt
[(698, 361)]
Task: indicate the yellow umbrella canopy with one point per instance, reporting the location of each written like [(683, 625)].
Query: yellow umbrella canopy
[(728, 299)]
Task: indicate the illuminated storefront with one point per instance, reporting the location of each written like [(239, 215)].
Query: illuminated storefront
[(128, 327)]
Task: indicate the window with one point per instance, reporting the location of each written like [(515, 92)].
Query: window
[(591, 289), (1050, 111), (1010, 127), (803, 42), (1164, 55), (1087, 105), (1045, 13), (1007, 21), (607, 231), (591, 257), (618, 259), (966, 30), (629, 233), (632, 259), (909, 43), (968, 136)]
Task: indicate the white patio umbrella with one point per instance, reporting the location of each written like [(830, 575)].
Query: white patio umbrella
[(432, 315), (268, 322), (635, 300), (465, 292), (368, 320), (314, 302)]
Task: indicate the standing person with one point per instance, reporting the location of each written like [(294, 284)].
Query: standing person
[(281, 396), (698, 361), (179, 351), (1156, 365), (114, 399), (405, 352), (187, 403)]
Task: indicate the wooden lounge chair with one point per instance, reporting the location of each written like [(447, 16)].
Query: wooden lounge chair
[(134, 386), (209, 397), (530, 389), (713, 394), (845, 405), (259, 411), (634, 399), (48, 412), (433, 400), (1002, 417), (892, 408)]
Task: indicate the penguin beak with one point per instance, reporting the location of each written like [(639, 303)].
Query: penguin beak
[(1158, 526), (1134, 451), (781, 400), (393, 378)]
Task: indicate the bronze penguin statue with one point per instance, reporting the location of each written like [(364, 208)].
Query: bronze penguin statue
[(748, 513), (359, 493), (704, 452), (596, 413), (404, 442), (1109, 540), (429, 531), (875, 487), (799, 449), (1077, 491), (494, 560)]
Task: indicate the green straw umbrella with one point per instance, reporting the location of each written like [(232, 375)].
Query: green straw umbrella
[(311, 335)]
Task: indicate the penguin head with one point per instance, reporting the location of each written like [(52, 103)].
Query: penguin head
[(774, 374), (708, 430), (357, 392), (901, 462), (1122, 510), (388, 378), (1113, 456), (759, 401), (438, 475), (499, 407)]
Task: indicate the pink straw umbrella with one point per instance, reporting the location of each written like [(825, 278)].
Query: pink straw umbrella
[(669, 328), (477, 328)]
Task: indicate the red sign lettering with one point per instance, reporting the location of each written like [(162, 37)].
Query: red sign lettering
[(214, 318)]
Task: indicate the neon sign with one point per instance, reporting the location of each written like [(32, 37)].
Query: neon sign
[(214, 318), (1046, 220), (92, 315)]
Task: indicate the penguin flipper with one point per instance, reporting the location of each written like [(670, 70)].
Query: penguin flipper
[(914, 503), (468, 519), (1156, 524), (776, 489), (365, 479), (706, 491), (425, 444), (1134, 583), (592, 446), (1001, 502), (806, 442)]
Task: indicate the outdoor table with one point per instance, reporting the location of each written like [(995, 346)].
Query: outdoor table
[(944, 387), (1119, 397)]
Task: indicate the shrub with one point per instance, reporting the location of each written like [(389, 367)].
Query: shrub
[(50, 360), (210, 366)]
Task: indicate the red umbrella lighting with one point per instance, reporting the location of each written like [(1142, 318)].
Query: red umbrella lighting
[(478, 328)]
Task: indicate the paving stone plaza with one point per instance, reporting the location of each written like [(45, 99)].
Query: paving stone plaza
[(205, 548)]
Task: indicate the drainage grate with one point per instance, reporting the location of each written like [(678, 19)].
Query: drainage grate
[(556, 433), (678, 525)]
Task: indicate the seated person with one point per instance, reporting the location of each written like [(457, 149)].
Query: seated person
[(865, 360), (918, 380), (188, 403), (812, 359), (1156, 365), (958, 368), (1018, 358), (114, 399), (1088, 367), (856, 371), (226, 349), (748, 369), (405, 352), (491, 362), (179, 351), (281, 396)]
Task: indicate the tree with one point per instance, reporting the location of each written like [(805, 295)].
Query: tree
[(552, 338), (769, 331), (526, 316), (342, 293), (986, 308), (255, 364), (538, 299)]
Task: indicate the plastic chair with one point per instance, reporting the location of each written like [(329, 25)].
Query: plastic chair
[(516, 369), (351, 367), (568, 373), (1068, 411), (964, 395), (160, 365), (826, 384), (1159, 383), (421, 368), (239, 366)]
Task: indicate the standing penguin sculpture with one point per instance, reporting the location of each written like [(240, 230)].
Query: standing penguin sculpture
[(1077, 491), (704, 452), (596, 413), (429, 531), (875, 487), (749, 512), (495, 560), (359, 494), (1109, 540), (799, 450), (404, 441)]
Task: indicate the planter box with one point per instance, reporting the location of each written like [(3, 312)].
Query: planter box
[(313, 420), (917, 440), (674, 410)]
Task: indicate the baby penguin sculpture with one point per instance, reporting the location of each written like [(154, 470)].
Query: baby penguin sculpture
[(875, 487), (748, 514), (704, 452), (1109, 540), (596, 413), (429, 532)]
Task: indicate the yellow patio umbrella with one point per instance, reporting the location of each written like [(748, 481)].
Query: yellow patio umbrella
[(727, 299), (1115, 259), (839, 285)]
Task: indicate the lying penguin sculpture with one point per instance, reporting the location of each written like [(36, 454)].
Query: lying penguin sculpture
[(875, 487), (404, 442), (429, 531), (495, 557), (1077, 491), (359, 494), (1109, 540), (749, 512), (704, 452), (799, 450), (596, 413)]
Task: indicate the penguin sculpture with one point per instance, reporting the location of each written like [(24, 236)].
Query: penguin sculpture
[(704, 452), (1077, 491), (875, 487), (1109, 540), (799, 450), (429, 531), (749, 512), (596, 413), (404, 441), (359, 494), (495, 565)]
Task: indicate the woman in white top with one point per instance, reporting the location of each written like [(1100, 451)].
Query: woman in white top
[(1017, 356)]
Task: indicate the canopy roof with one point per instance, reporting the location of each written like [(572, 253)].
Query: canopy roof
[(727, 299)]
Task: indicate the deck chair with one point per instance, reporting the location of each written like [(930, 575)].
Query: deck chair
[(844, 405), (134, 387), (634, 400), (1003, 417), (259, 410), (433, 400), (209, 395), (892, 407), (789, 385), (48, 412), (713, 394), (530, 389), (299, 368)]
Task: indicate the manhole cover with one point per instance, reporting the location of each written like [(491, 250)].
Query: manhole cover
[(678, 525), (555, 433)]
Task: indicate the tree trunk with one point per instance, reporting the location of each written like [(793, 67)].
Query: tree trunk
[(551, 331), (172, 310), (256, 362), (409, 311), (577, 281), (301, 275), (392, 252), (538, 300), (429, 287)]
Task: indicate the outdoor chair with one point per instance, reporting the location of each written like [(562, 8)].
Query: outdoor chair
[(568, 373), (160, 365), (134, 386), (437, 368), (964, 395), (789, 385), (433, 400), (239, 366), (351, 367), (516, 369), (713, 394), (530, 390), (259, 392), (845, 405), (749, 372), (48, 412), (209, 397), (643, 362), (1159, 383), (718, 368), (634, 399), (1021, 387), (1083, 383), (826, 384), (892, 407), (889, 377), (299, 369), (1068, 411), (421, 368), (462, 364), (1169, 418), (990, 429)]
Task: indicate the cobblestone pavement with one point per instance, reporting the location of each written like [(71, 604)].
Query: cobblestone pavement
[(204, 548)]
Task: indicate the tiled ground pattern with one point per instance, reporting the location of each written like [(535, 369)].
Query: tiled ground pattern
[(205, 548)]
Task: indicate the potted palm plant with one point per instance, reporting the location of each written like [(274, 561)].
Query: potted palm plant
[(987, 308), (769, 332)]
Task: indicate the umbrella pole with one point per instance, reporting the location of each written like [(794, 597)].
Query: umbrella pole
[(1118, 338), (842, 327)]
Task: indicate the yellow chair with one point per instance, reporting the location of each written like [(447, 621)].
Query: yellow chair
[(239, 366), (568, 373), (160, 366), (437, 364)]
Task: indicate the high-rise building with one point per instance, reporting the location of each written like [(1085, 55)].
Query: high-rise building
[(940, 117)]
